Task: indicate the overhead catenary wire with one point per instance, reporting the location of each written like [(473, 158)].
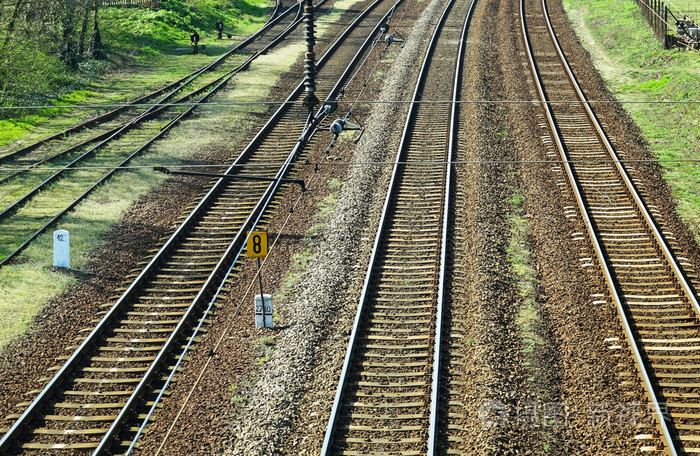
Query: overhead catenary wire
[(374, 44), (371, 73), (365, 102), (364, 83), (371, 163)]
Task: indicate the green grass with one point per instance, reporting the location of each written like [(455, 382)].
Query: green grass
[(38, 287), (146, 36), (325, 209), (638, 69), (150, 33), (15, 128), (265, 340), (27, 285), (520, 259), (300, 261)]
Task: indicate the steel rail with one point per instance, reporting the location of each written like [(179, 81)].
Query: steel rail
[(217, 85), (273, 14), (104, 178), (157, 108), (345, 373), (226, 260), (446, 219), (177, 85), (102, 117), (250, 223), (306, 135), (634, 347)]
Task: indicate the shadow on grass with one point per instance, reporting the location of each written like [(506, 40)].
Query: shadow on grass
[(254, 10), (208, 50)]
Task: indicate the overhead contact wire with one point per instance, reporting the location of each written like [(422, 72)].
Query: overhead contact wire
[(385, 163), (370, 102)]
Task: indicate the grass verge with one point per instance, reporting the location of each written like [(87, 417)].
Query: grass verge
[(26, 286), (154, 38), (300, 261), (30, 283), (15, 128), (147, 33)]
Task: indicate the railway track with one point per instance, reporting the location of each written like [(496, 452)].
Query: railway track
[(387, 397), (96, 398), (45, 182), (646, 280)]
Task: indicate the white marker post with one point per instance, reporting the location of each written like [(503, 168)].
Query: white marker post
[(61, 249), (263, 311), (257, 248)]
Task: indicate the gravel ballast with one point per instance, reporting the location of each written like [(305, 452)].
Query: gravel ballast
[(249, 398)]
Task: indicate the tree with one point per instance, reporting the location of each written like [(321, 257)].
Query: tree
[(10, 30), (96, 51)]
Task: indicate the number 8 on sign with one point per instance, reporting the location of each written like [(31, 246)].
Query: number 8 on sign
[(257, 244)]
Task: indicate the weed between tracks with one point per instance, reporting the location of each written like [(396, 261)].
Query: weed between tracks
[(529, 320), (519, 257), (300, 261), (637, 68)]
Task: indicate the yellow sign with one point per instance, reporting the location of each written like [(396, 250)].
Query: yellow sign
[(257, 244)]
